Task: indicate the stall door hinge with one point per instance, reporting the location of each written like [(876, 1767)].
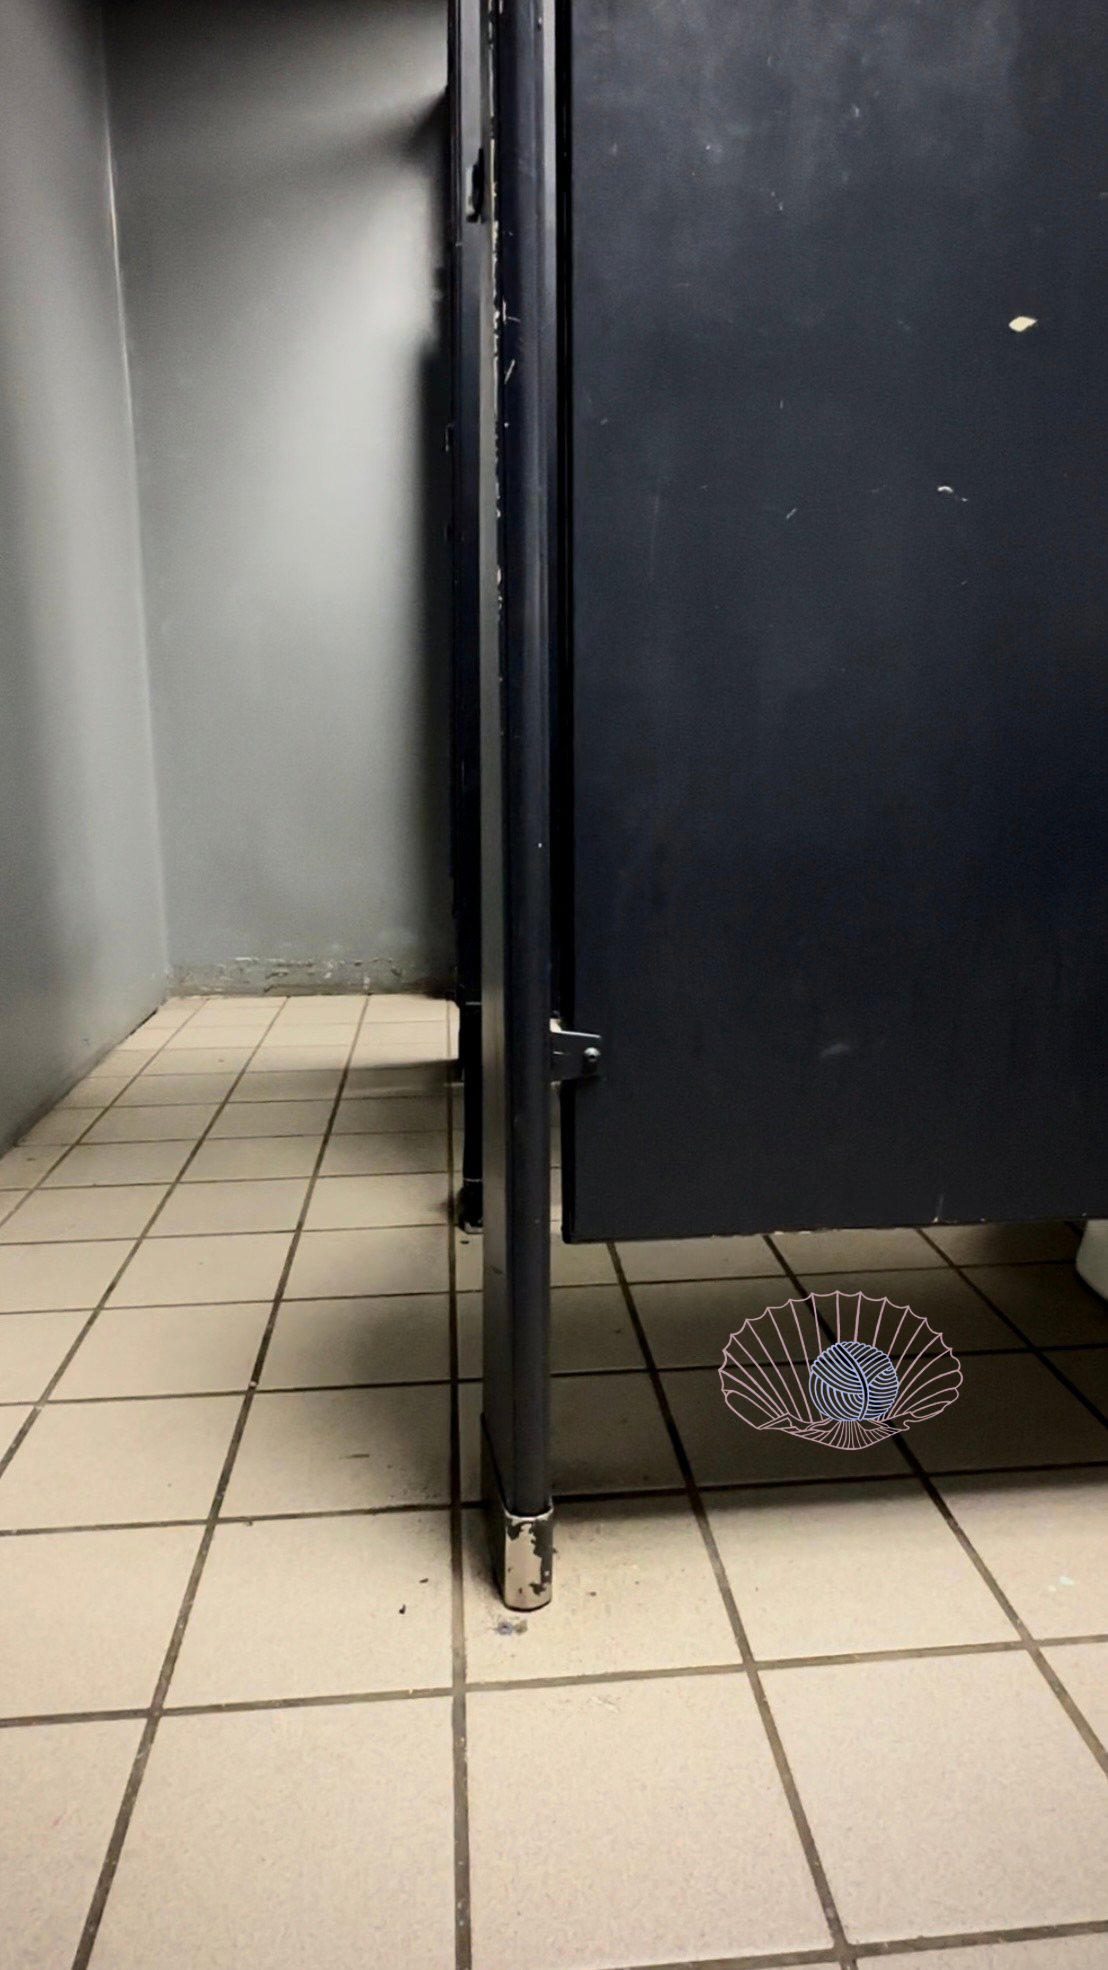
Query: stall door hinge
[(573, 1056)]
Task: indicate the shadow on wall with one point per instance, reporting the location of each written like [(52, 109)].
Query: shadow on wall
[(82, 949), (280, 176)]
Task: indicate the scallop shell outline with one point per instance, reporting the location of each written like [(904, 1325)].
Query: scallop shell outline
[(765, 1385)]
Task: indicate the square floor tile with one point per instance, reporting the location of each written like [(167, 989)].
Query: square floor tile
[(45, 1278), (634, 1589), (177, 1090), (331, 1264), (1049, 1303), (659, 1832), (61, 1785), (64, 1216), (316, 1008), (398, 1040), (332, 1036), (286, 1838), (590, 1329), (722, 1449), (223, 1062), (178, 1271), (1003, 1244), (1087, 1369), (272, 1205), (174, 1350), (697, 1258), (278, 1057), (1044, 1538), (339, 1203), (841, 1569), (688, 1322), (201, 1035), (398, 1114), (1011, 1411), (607, 1435), (946, 1795), (272, 1118), (127, 1163), (371, 1610), (398, 1077), (88, 1617), (1082, 1669), (570, 1265), (326, 1343), (849, 1251), (251, 1159), (114, 1463), (32, 1346), (61, 1126), (335, 1450), (184, 1123), (404, 1006), (259, 1085), (21, 1168), (386, 1154), (241, 1010), (938, 1295), (96, 1091), (10, 1200)]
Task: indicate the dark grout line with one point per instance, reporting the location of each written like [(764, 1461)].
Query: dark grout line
[(226, 1518), (37, 1408), (106, 1877), (1034, 1347), (174, 1237), (795, 1959), (72, 1717), (689, 1672), (463, 1918), (884, 1951), (1031, 1647), (840, 1947), (980, 1938), (334, 1700)]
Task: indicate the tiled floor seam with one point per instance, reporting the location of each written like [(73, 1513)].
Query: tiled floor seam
[(37, 1407), (463, 1921), (882, 1952), (841, 1951), (1041, 1354), (1031, 1646), (95, 1915), (887, 1952), (682, 1672), (43, 1400), (95, 1114), (1027, 1641)]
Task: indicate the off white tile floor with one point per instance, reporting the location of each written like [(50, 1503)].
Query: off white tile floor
[(259, 1706)]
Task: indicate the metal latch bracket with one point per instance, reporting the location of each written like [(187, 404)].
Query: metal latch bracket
[(573, 1056)]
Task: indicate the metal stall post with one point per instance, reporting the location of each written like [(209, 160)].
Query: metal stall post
[(515, 831), (469, 254)]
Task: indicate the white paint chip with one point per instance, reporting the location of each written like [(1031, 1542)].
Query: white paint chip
[(1021, 323)]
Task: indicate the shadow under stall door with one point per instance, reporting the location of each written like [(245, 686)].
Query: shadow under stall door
[(837, 310)]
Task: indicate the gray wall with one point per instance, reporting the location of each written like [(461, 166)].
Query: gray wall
[(278, 172), (82, 944)]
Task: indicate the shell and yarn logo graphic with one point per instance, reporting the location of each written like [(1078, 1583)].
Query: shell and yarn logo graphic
[(843, 1369)]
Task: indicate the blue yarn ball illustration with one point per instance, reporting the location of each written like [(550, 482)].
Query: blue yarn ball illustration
[(853, 1381)]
